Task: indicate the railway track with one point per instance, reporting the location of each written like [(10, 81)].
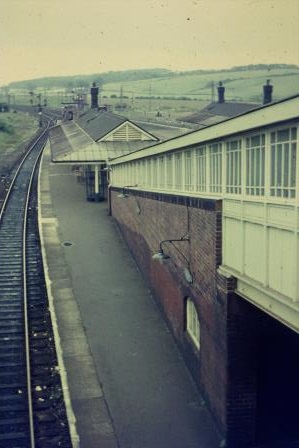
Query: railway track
[(32, 411)]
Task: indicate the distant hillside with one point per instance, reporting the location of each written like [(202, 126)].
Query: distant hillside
[(134, 75), (242, 83), (86, 80)]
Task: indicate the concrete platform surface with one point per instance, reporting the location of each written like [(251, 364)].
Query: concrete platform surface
[(125, 382)]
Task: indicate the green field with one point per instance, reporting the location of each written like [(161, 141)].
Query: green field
[(239, 85), (171, 95), (15, 129)]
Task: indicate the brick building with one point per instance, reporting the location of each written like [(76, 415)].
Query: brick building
[(220, 206)]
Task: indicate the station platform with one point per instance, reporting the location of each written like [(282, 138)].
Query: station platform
[(125, 383)]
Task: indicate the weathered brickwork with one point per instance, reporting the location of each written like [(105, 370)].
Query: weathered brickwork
[(242, 329), (236, 339), (145, 220)]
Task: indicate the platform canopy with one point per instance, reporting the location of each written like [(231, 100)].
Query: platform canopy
[(71, 144)]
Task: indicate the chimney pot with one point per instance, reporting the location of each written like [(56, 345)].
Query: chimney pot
[(268, 89), (94, 92), (221, 91)]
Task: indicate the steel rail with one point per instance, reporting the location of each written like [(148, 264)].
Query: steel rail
[(27, 342), (24, 265), (18, 170)]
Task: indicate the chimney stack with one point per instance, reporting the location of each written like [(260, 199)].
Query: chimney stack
[(94, 92), (268, 89), (221, 91)]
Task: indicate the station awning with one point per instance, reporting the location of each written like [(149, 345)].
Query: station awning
[(70, 144)]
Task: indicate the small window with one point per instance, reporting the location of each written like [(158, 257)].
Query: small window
[(193, 329)]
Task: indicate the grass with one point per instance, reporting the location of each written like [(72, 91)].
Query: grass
[(21, 127), (240, 86)]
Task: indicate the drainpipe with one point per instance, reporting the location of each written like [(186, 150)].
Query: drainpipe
[(96, 181)]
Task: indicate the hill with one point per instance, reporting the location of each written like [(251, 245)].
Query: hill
[(149, 93), (242, 83)]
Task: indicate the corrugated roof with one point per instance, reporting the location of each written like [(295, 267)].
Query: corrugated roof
[(70, 144)]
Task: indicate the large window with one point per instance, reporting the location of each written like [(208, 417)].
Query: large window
[(201, 178), (215, 167), (258, 164), (255, 165), (193, 329), (233, 167), (283, 163)]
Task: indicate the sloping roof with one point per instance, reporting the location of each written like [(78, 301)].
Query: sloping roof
[(217, 112), (70, 144), (273, 113), (98, 124)]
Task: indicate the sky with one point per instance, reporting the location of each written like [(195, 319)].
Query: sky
[(70, 37)]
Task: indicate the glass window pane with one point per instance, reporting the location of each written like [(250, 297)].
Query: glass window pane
[(283, 135), (293, 133)]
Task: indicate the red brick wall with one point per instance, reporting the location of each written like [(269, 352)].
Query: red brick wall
[(145, 221), (236, 337)]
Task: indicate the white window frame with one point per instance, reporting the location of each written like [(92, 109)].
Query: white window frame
[(234, 166), (282, 185), (161, 168), (178, 170), (215, 165), (201, 169), (255, 165), (155, 172), (169, 171), (188, 170), (192, 323)]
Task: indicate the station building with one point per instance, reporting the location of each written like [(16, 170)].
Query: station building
[(212, 220), (87, 140)]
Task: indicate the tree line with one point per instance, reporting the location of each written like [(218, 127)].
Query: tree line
[(85, 81)]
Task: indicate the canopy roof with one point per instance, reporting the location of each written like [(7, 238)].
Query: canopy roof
[(71, 144)]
